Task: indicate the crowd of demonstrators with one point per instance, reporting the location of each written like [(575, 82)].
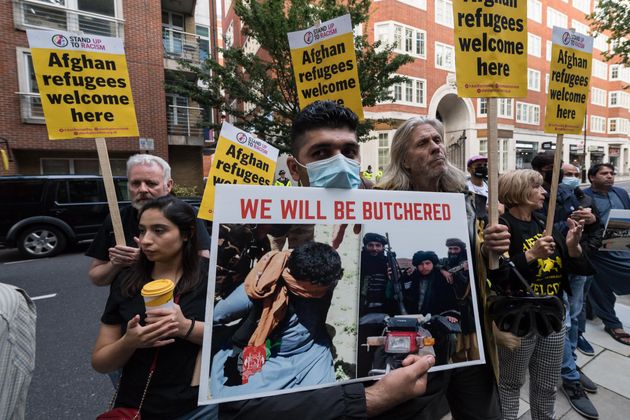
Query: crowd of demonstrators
[(148, 177), (544, 261), (165, 342), (612, 268), (572, 204), (298, 286)]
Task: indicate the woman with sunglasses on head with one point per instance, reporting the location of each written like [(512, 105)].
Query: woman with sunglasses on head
[(543, 261), (134, 339)]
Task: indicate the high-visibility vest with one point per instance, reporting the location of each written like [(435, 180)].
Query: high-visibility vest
[(367, 175), (279, 183)]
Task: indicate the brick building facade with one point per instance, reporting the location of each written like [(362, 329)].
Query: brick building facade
[(155, 35), (424, 30)]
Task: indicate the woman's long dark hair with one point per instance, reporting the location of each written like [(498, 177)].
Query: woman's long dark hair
[(183, 216)]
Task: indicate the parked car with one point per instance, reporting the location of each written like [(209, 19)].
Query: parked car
[(42, 215)]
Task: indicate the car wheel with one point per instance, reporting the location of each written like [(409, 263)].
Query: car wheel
[(41, 241)]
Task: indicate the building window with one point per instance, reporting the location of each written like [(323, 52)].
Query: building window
[(612, 99), (533, 80), (547, 83), (505, 108), (533, 45), (598, 124), (31, 109), (173, 33), (600, 69), (419, 4), (598, 96), (97, 17), (614, 72), (405, 39), (613, 125), (482, 106), (619, 99), (61, 166), (527, 113), (383, 149), (601, 42), (251, 45), (444, 56), (555, 18), (412, 92), (444, 12), (582, 5), (203, 33), (228, 37), (534, 10)]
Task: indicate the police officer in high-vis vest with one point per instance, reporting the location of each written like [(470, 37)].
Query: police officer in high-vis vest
[(282, 181)]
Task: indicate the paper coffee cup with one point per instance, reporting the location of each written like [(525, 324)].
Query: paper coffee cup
[(158, 294)]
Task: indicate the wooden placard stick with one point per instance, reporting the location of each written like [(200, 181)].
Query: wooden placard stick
[(553, 194), (493, 174), (110, 191)]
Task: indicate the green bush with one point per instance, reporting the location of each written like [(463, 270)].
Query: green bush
[(184, 191)]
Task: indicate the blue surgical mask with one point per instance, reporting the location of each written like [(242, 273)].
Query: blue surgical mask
[(571, 182), (335, 172)]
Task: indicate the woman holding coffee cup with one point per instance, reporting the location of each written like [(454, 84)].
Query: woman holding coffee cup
[(164, 334)]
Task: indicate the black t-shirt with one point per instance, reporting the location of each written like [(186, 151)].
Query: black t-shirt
[(105, 239), (169, 394), (544, 274)]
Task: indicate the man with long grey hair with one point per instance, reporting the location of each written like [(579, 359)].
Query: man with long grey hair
[(418, 162)]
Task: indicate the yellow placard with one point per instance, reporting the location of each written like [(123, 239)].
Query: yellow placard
[(83, 84), (325, 64), (491, 48), (240, 158), (567, 96)]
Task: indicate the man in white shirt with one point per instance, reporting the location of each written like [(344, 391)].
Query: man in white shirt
[(478, 169)]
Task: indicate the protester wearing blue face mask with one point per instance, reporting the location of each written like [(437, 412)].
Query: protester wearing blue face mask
[(337, 171)]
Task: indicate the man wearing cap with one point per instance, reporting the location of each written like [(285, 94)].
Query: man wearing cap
[(478, 170), (455, 270), (376, 293), (282, 180)]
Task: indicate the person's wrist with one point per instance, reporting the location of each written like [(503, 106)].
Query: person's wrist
[(189, 329)]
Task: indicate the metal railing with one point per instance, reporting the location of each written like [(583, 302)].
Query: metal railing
[(184, 120), (180, 45), (31, 107), (50, 15)]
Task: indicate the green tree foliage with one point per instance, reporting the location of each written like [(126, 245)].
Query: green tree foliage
[(614, 16), (265, 81)]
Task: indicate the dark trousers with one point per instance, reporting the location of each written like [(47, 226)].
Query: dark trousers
[(471, 393)]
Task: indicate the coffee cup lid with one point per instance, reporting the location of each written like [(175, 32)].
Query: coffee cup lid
[(157, 287)]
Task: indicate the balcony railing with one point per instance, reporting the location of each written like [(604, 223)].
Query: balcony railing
[(180, 45), (31, 107), (47, 15), (184, 121)]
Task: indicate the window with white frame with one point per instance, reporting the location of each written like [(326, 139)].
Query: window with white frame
[(97, 17), (412, 92), (580, 27), (533, 80), (614, 71), (527, 113), (30, 103), (405, 39), (556, 18), (548, 50), (583, 5), (444, 12), (444, 56), (503, 152), (598, 124), (251, 45), (547, 83), (598, 96), (533, 45), (419, 4), (383, 149), (619, 99), (534, 10), (613, 99), (505, 107), (618, 126), (203, 32), (601, 42), (600, 69)]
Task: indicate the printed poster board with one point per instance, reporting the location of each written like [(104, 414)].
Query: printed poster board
[(325, 64), (251, 220), (569, 77), (83, 84), (617, 234), (240, 158), (491, 48)]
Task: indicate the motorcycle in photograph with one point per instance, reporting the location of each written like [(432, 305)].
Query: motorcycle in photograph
[(409, 334)]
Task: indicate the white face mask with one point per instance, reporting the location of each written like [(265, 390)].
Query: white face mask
[(337, 171)]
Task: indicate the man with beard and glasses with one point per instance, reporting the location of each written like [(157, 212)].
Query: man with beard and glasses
[(148, 177), (455, 271)]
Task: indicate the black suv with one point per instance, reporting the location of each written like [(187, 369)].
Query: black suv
[(41, 215)]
